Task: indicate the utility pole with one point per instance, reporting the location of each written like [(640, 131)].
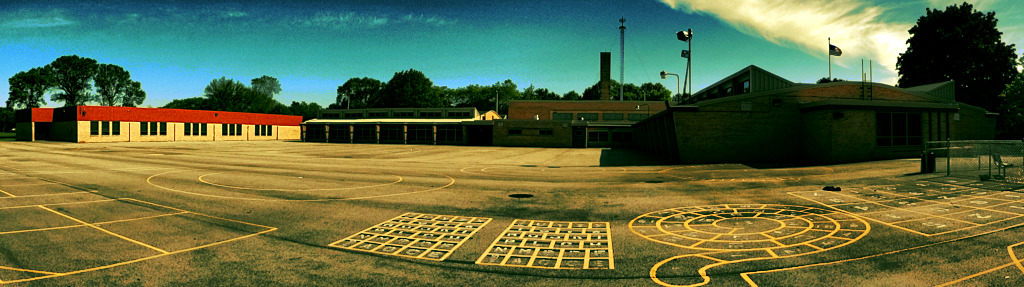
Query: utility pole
[(622, 56)]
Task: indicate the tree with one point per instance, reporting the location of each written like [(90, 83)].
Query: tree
[(114, 85), (6, 119), (307, 111), (228, 95), (196, 103), (1011, 114), (825, 80), (408, 89), (73, 76), (963, 45), (653, 92), (266, 85), (27, 89), (571, 96), (356, 93), (133, 95)]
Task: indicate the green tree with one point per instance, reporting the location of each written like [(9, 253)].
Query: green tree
[(27, 89), (1011, 114), (228, 95), (73, 76), (653, 92), (266, 85), (308, 111), (114, 86), (133, 96), (408, 89), (357, 93), (963, 45), (571, 96), (196, 103), (6, 119), (825, 80)]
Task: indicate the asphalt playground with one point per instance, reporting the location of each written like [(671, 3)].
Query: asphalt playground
[(316, 214)]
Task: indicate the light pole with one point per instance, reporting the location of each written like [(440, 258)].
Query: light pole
[(665, 74), (648, 109), (686, 36)]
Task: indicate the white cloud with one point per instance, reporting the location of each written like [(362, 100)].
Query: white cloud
[(857, 27), (35, 19)]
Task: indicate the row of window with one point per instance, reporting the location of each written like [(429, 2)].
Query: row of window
[(398, 115), (636, 117), (264, 130), (195, 129), (153, 128), (97, 128), (107, 128), (543, 132), (898, 129)]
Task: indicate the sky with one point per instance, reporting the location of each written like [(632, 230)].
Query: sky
[(175, 48)]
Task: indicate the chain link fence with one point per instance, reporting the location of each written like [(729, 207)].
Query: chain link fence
[(980, 160)]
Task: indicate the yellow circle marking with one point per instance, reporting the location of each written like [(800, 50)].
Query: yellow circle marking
[(149, 180), (798, 212), (293, 190)]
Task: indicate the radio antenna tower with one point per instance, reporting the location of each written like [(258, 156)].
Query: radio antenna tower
[(622, 55)]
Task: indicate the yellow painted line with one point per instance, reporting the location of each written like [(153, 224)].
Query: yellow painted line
[(772, 253), (975, 275), (32, 184), (83, 225), (1013, 255), (66, 203), (400, 179), (746, 277), (7, 193), (106, 231), (149, 180), (26, 270)]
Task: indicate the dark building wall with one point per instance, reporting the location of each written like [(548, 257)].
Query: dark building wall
[(657, 136), (526, 110), (530, 133), (728, 133), (974, 124)]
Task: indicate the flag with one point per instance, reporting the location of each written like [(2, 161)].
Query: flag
[(686, 54), (834, 51)]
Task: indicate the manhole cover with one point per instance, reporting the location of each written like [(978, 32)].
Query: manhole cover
[(520, 195)]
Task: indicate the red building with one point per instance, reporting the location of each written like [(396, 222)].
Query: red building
[(128, 124)]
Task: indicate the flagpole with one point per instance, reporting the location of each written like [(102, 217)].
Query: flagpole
[(830, 58)]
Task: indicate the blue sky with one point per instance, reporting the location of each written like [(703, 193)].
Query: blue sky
[(175, 49)]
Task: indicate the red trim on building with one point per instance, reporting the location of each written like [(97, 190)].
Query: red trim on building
[(130, 114)]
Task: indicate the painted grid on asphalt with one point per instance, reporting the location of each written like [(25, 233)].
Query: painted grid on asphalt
[(415, 235), (552, 245)]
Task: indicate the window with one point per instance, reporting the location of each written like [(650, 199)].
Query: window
[(270, 130), (106, 128), (338, 133), (404, 115), (547, 132), (238, 129), (420, 133), (598, 136), (637, 117), (378, 115), (449, 134), (188, 129), (163, 129), (202, 127), (746, 86), (353, 115), (898, 129), (392, 133), (430, 115), (153, 127), (144, 128), (561, 116), (365, 133), (513, 132), (223, 129), (587, 116), (195, 129), (116, 128), (458, 115), (612, 117), (94, 128)]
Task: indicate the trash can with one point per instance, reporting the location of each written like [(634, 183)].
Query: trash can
[(927, 162)]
